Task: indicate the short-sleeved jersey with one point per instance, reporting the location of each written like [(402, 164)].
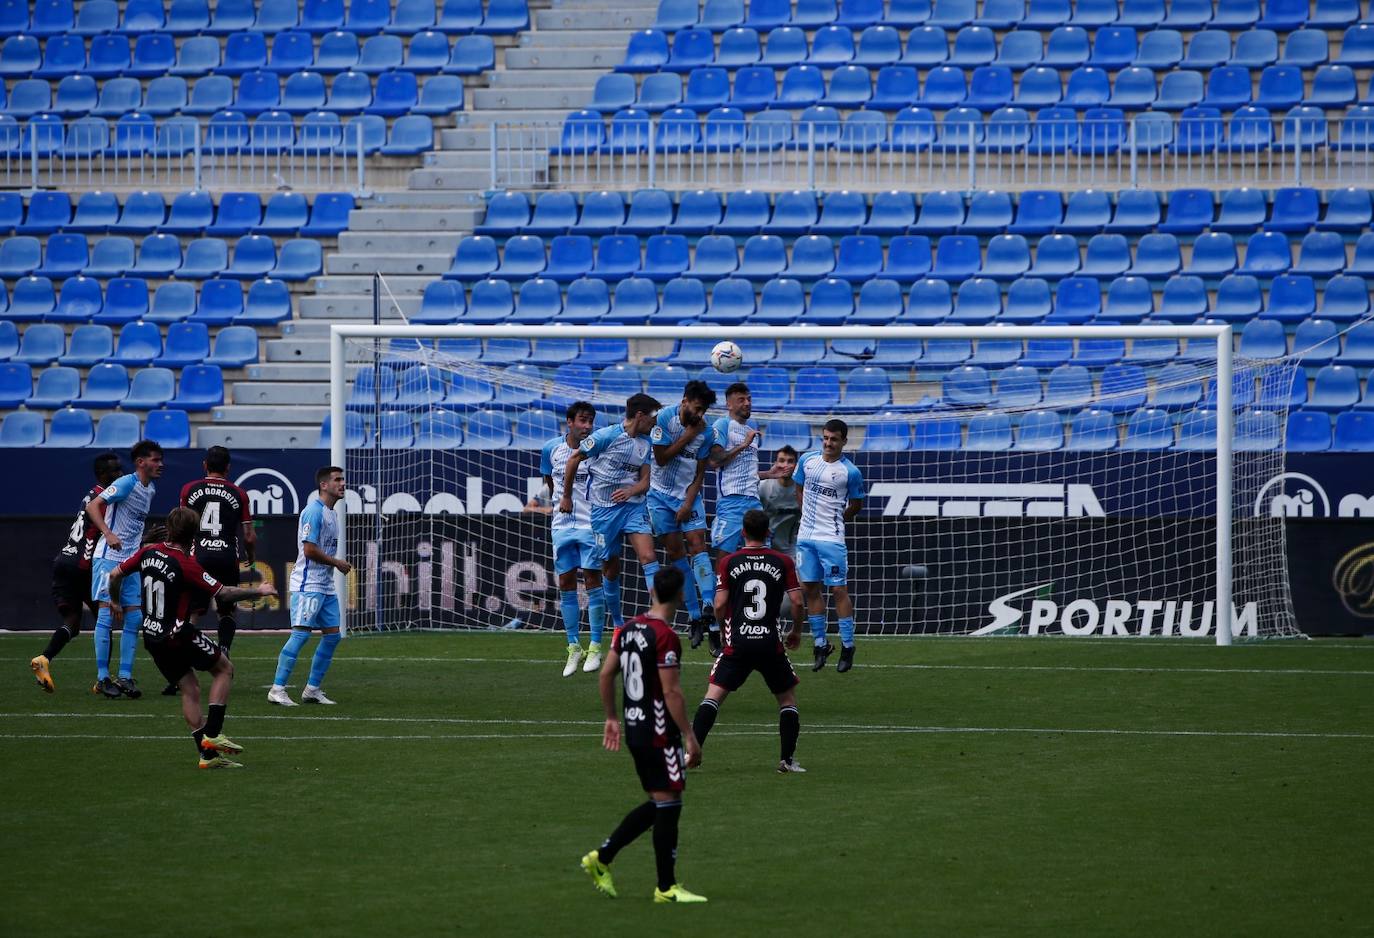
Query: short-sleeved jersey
[(319, 526), (756, 579), (784, 514), (171, 581), (828, 487), (613, 459), (740, 476), (223, 510), (126, 508), (82, 535), (646, 644), (553, 462), (672, 480)]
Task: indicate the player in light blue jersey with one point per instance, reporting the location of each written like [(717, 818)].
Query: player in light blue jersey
[(831, 492), (617, 459), (314, 601), (735, 454), (119, 513), (682, 443), (574, 545)]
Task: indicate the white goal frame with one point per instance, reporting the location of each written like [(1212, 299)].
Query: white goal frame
[(1222, 335)]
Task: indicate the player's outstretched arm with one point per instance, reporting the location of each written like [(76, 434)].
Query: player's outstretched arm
[(670, 680), (610, 734), (234, 594)]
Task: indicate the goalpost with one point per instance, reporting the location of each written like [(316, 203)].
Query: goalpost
[(1127, 504)]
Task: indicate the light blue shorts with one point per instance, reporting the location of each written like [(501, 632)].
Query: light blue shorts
[(727, 531), (823, 561), (315, 611), (613, 522), (574, 549), (130, 591), (663, 514)]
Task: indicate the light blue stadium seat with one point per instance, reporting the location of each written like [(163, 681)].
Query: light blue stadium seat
[(20, 56)]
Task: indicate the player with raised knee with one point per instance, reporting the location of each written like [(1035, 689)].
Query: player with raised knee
[(830, 492), (617, 459), (649, 656), (171, 582), (677, 511), (71, 574), (574, 545), (314, 600), (118, 512), (753, 581)]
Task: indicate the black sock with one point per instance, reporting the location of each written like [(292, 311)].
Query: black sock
[(635, 823), (705, 719), (214, 723), (228, 625), (60, 637), (665, 841), (196, 737), (789, 728)]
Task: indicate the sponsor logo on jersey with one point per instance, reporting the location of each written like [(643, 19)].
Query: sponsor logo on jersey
[(1115, 617), (634, 714), (962, 500), (670, 659), (269, 492)]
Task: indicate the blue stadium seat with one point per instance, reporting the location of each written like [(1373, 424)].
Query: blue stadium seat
[(395, 94), (220, 303), (22, 428), (1077, 299), (255, 256), (1316, 342), (1263, 338), (62, 55), (107, 385), (20, 56), (491, 301), (1028, 301), (1308, 432), (19, 257), (794, 213), (109, 56), (300, 259), (1056, 256), (90, 344), (150, 389), (1295, 209), (428, 52), (65, 256), (139, 343), (173, 302), (33, 300), (1335, 388), (554, 213), (57, 386), (205, 258), (439, 95), (201, 388), (645, 51), (1157, 256), (1266, 254), (1354, 432), (1149, 428), (831, 303), (172, 428), (42, 344), (73, 428), (1346, 297), (188, 343), (1321, 254)]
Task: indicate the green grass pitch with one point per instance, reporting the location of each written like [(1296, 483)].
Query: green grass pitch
[(974, 787)]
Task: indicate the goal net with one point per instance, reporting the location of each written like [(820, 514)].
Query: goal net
[(1020, 481)]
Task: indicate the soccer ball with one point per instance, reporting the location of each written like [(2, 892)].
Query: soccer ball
[(726, 357)]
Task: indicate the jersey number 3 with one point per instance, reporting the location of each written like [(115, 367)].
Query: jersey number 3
[(758, 599)]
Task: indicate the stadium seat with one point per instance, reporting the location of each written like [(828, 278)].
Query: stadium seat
[(268, 303), (107, 385), (33, 299), (41, 345), (90, 344), (139, 343), (64, 257), (1307, 432), (57, 386), (170, 428), (173, 302), (22, 429), (73, 428), (1263, 339), (1334, 389), (188, 343), (1056, 256), (201, 387), (221, 302), (554, 213), (1363, 263), (300, 259), (1316, 342), (1321, 254), (151, 388), (1346, 297), (1028, 301), (126, 300), (1149, 429), (205, 258)]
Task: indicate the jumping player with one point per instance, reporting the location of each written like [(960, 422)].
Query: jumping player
[(779, 498), (118, 512), (735, 454), (314, 602), (831, 492), (647, 652), (225, 522), (71, 574), (682, 443), (574, 545), (752, 584), (171, 582), (617, 459)]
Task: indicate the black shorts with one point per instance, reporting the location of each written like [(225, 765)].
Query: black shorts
[(661, 769), (189, 651), (731, 670), (71, 587), (222, 567)]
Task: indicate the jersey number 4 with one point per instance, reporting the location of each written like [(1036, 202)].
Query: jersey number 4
[(209, 520)]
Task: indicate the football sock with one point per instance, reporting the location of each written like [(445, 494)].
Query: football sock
[(196, 737), (789, 728), (596, 611), (214, 723), (665, 841), (650, 571), (324, 654), (706, 582), (287, 659), (60, 637), (635, 823), (227, 627), (102, 643), (847, 632), (817, 629), (128, 642), (689, 590), (610, 587), (572, 614), (705, 718)]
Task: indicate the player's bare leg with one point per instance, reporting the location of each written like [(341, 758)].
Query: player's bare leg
[(844, 611), (698, 570), (815, 612), (789, 728)]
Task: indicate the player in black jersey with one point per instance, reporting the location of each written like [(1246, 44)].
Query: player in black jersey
[(648, 653), (71, 574), (752, 582), (171, 580), (226, 521)]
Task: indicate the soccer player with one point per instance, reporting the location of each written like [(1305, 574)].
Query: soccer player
[(617, 459), (172, 580), (752, 584), (574, 546), (118, 512), (682, 443), (779, 497), (314, 602), (647, 652), (71, 574), (225, 522), (831, 493)]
